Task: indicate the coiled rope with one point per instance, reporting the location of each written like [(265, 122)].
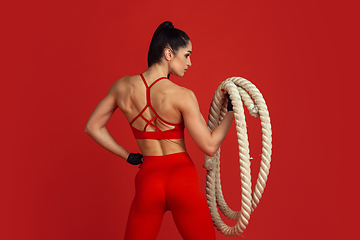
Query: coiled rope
[(239, 90)]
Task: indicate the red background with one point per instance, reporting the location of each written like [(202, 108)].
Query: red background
[(59, 60)]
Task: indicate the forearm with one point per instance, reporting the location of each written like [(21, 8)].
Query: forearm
[(219, 133), (105, 140)]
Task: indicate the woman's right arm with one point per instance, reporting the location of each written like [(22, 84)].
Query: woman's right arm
[(95, 126), (207, 141)]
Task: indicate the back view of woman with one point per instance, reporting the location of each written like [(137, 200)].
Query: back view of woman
[(157, 111)]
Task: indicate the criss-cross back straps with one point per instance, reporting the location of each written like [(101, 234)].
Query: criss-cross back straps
[(148, 104)]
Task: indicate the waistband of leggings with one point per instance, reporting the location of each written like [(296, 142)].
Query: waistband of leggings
[(166, 160), (179, 154)]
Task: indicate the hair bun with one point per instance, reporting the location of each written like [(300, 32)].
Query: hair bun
[(169, 24), (165, 25)]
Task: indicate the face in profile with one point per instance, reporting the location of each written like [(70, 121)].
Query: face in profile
[(181, 61)]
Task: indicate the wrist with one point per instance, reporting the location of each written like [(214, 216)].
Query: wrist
[(135, 158)]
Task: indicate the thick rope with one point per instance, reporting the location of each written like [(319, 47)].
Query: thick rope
[(239, 90)]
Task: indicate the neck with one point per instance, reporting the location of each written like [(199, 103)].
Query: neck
[(157, 70)]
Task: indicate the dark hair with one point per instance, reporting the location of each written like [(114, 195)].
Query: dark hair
[(165, 36)]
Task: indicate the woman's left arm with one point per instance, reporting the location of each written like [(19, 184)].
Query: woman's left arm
[(95, 126)]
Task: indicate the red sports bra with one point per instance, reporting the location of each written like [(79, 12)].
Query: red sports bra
[(175, 133)]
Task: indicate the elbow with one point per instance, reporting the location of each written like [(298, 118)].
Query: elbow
[(92, 130), (210, 150), (88, 129)]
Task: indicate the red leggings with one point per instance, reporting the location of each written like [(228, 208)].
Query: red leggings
[(169, 182)]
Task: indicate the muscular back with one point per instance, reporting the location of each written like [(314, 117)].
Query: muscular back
[(165, 96)]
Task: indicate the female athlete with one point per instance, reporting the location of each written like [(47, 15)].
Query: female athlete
[(158, 110)]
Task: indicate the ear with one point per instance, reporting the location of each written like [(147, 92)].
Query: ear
[(168, 54)]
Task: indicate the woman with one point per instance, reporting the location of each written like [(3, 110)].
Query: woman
[(157, 110)]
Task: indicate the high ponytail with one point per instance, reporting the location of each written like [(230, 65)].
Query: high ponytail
[(165, 36)]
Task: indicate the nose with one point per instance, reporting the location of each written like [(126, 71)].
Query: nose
[(189, 62)]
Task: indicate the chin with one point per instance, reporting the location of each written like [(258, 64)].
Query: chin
[(179, 75)]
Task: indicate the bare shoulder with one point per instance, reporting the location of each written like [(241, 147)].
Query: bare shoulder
[(183, 96), (179, 90), (122, 85)]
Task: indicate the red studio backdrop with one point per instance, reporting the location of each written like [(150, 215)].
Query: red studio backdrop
[(60, 58)]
